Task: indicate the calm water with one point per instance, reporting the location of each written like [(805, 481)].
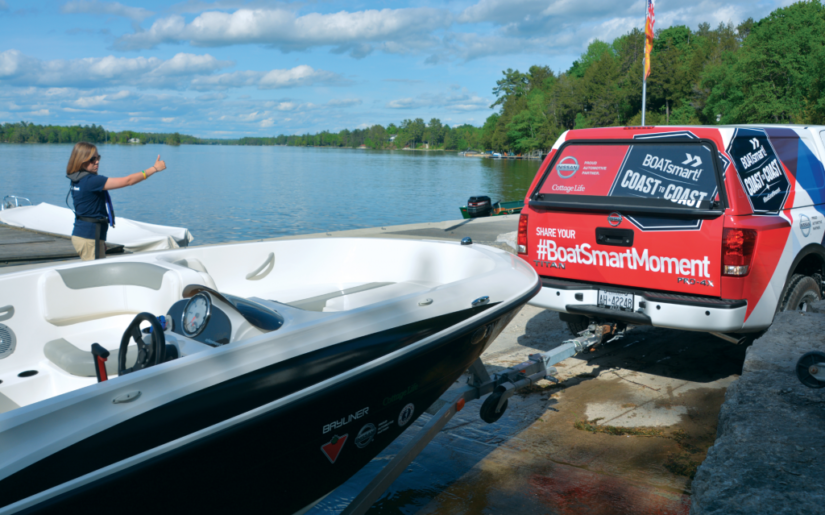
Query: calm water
[(226, 193)]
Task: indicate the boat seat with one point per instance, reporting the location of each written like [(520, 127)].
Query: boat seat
[(7, 404), (353, 297), (319, 302), (78, 294), (387, 291), (81, 363)]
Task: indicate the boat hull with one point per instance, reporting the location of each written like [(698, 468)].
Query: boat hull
[(277, 439)]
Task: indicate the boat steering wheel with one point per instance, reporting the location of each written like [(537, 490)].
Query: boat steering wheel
[(148, 355)]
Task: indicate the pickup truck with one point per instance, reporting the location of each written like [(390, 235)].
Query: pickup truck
[(709, 229)]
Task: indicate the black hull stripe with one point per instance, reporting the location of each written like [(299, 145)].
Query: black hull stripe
[(215, 404)]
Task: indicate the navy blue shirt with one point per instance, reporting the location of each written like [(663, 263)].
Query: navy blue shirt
[(90, 201)]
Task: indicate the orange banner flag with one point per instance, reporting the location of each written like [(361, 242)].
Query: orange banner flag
[(650, 20)]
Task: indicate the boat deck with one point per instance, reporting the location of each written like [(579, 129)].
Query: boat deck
[(23, 246)]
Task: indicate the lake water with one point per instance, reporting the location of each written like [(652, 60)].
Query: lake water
[(229, 193)]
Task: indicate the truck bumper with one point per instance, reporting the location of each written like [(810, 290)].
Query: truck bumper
[(687, 312)]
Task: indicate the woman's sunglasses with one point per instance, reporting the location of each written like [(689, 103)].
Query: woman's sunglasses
[(95, 159)]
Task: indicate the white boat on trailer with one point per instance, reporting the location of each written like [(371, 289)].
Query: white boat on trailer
[(283, 369)]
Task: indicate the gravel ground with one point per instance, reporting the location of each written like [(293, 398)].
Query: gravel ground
[(767, 458)]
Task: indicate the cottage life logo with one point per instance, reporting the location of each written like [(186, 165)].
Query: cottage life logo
[(567, 167)]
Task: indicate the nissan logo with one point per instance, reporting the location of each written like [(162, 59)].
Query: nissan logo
[(568, 164), (614, 219), (805, 225)]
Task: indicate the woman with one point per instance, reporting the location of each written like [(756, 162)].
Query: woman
[(91, 198)]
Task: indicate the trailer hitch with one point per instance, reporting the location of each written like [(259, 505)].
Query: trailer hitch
[(538, 366)]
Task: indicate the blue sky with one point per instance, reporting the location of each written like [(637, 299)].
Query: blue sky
[(255, 67)]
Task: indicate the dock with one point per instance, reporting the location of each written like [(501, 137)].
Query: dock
[(20, 246)]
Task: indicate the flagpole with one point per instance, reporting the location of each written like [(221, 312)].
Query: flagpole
[(644, 66)]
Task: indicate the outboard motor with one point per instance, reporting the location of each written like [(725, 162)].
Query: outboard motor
[(479, 206)]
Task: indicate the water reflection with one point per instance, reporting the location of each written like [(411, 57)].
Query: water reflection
[(225, 193)]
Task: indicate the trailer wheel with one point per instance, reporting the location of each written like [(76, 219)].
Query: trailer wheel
[(800, 291), (488, 409), (804, 365)]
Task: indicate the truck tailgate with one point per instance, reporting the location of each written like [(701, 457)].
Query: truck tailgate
[(637, 214)]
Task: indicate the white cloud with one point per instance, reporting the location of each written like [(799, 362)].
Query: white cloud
[(353, 32), (137, 14), (100, 100), (460, 101), (167, 120), (300, 76), (566, 27), (22, 70), (40, 112)]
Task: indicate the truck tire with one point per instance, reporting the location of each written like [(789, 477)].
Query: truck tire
[(800, 291), (575, 323)]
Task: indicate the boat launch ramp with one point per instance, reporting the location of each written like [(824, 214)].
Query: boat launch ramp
[(624, 430)]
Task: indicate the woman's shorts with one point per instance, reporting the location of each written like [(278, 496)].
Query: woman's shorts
[(86, 248)]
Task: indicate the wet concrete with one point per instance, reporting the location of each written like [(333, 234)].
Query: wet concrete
[(623, 433)]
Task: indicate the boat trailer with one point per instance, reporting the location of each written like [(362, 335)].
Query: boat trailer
[(500, 386)]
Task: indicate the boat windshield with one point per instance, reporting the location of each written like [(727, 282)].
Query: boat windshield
[(259, 316)]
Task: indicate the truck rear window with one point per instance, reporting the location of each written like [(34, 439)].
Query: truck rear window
[(651, 174)]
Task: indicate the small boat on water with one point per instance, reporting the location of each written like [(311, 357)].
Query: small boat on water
[(482, 206), (277, 371)]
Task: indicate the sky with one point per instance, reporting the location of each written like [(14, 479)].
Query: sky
[(233, 68)]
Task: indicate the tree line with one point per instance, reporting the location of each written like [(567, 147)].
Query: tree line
[(768, 71), (24, 132)]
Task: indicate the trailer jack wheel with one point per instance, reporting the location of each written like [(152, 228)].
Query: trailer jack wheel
[(810, 369), (488, 408)]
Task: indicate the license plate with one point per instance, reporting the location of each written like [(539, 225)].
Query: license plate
[(614, 300)]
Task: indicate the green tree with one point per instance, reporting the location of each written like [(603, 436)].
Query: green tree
[(776, 74), (514, 84), (594, 52)]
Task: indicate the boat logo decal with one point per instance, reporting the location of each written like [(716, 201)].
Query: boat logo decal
[(569, 165), (332, 449), (365, 436), (337, 424), (400, 395), (383, 426), (406, 414)]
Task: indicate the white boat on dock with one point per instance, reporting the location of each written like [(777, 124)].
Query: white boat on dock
[(133, 235)]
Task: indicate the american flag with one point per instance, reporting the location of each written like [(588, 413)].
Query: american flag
[(650, 20)]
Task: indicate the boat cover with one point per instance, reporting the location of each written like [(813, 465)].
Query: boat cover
[(134, 236)]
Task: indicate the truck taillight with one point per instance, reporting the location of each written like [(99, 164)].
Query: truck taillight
[(522, 234), (737, 251)]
